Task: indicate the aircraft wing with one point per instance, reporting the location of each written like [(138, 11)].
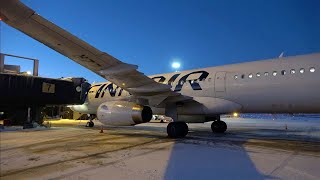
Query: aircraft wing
[(21, 17)]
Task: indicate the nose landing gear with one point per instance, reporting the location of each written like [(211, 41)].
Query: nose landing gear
[(90, 123)]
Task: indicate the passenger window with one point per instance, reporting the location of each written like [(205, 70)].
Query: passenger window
[(242, 76), (312, 69), (182, 82), (250, 76), (301, 70), (258, 74), (266, 74), (274, 73), (236, 77), (292, 71), (283, 72)]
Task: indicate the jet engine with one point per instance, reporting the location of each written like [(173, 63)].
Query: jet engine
[(123, 113)]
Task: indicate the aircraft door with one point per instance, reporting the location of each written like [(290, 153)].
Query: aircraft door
[(220, 84)]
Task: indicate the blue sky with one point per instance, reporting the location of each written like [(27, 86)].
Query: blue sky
[(152, 33)]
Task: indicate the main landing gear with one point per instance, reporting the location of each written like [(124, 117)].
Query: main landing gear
[(180, 129), (177, 129), (218, 126)]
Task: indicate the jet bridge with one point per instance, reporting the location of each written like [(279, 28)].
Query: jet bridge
[(22, 95)]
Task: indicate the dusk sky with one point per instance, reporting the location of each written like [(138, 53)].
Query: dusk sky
[(154, 33)]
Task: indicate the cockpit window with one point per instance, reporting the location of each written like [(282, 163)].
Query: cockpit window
[(274, 73), (312, 69)]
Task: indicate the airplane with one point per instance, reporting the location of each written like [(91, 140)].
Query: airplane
[(280, 85)]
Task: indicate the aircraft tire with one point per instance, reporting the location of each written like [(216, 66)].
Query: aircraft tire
[(90, 124), (177, 129), (219, 126)]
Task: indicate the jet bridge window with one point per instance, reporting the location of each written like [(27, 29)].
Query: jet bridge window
[(301, 70), (292, 71), (312, 69)]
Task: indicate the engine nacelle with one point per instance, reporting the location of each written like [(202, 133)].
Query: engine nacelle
[(123, 113)]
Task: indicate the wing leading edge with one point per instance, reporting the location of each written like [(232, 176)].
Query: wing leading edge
[(126, 76)]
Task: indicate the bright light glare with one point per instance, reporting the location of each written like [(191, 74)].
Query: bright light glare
[(175, 65), (235, 114), (29, 72)]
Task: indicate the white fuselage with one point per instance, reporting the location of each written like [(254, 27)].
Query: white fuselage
[(281, 85)]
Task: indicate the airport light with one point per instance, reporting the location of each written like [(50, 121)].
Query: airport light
[(235, 114), (175, 65)]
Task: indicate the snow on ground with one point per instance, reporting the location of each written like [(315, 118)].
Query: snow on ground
[(251, 149)]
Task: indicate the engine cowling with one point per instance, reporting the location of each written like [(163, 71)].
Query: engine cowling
[(123, 113)]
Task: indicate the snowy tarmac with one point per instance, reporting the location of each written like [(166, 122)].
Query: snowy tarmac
[(251, 149)]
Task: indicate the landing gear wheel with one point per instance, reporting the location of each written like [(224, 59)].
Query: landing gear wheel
[(218, 126), (177, 129), (90, 124)]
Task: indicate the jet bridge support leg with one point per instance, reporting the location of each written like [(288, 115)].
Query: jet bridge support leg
[(175, 129)]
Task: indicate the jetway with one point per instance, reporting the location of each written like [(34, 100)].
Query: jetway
[(22, 96)]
